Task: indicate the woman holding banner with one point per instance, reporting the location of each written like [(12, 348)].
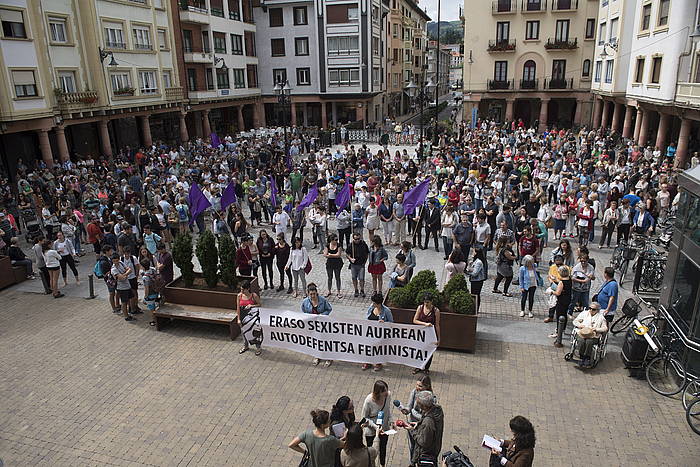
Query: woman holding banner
[(316, 305), (427, 314), (377, 311), (249, 318)]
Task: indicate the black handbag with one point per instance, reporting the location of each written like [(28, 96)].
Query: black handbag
[(306, 460)]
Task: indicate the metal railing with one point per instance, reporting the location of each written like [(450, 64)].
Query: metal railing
[(503, 6), (501, 45), (143, 46), (498, 85), (194, 5), (529, 5), (561, 44), (115, 45), (78, 98), (559, 83), (564, 5), (529, 84), (174, 94)]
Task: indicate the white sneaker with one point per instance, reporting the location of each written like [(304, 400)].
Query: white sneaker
[(553, 335), (522, 314), (530, 315), (316, 361)]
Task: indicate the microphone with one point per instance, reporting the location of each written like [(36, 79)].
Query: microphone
[(398, 404)]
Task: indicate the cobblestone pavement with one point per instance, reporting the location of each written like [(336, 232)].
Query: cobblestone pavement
[(82, 387)]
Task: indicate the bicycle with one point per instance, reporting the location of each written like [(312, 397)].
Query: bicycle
[(691, 393), (630, 312), (665, 373), (692, 416)]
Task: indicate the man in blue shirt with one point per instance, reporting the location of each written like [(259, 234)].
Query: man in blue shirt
[(607, 295)]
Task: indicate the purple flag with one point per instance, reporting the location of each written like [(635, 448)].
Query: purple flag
[(309, 198), (215, 141), (343, 197), (198, 202), (273, 191), (415, 196), (228, 197)]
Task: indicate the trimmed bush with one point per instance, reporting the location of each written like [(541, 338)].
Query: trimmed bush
[(182, 257), (401, 297), (208, 258), (423, 280), (437, 297), (227, 261), (456, 283), (462, 302)]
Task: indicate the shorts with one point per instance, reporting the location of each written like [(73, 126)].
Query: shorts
[(54, 268), (110, 289), (357, 272), (134, 283), (125, 295), (559, 224)]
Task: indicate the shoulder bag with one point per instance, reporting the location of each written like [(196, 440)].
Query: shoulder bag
[(306, 460)]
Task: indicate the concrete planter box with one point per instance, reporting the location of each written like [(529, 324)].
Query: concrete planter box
[(221, 297), (458, 332)]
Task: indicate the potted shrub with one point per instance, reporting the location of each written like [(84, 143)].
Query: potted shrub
[(458, 317), (182, 256), (208, 258), (227, 262)]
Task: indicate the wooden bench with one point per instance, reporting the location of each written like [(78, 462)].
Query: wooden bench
[(171, 312)]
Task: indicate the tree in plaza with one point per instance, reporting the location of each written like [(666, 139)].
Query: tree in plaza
[(227, 261), (208, 258)]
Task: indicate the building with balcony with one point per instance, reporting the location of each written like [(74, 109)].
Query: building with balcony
[(530, 60), (456, 63), (406, 42), (85, 78), (217, 46), (439, 70), (647, 77)]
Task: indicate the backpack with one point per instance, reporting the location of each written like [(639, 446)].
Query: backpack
[(182, 213), (99, 269)]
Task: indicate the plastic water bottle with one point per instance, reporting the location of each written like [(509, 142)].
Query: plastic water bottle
[(380, 418)]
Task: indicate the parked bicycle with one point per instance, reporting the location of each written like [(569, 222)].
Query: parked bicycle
[(666, 373), (692, 416), (630, 311)]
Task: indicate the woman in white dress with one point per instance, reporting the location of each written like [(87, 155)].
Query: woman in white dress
[(372, 217)]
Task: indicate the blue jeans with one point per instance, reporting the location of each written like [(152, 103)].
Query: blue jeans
[(577, 297)]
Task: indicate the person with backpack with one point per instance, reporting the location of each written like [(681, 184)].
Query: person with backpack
[(183, 215), (152, 286), (150, 239), (132, 264), (121, 273), (102, 270)]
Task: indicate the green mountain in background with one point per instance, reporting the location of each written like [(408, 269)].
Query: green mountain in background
[(451, 32)]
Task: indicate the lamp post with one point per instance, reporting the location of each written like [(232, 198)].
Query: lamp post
[(283, 91), (420, 95), (438, 81)]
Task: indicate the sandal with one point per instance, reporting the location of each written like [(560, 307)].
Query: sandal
[(151, 323), (340, 295), (243, 350), (258, 351)]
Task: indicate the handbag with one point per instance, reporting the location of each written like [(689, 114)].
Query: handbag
[(307, 268), (540, 281), (306, 460)]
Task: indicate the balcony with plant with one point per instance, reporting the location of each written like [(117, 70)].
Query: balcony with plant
[(502, 45), (561, 44)]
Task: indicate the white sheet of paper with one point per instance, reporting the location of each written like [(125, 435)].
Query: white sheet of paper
[(490, 442), (338, 430), (390, 432)]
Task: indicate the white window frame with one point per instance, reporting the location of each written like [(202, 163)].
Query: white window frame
[(67, 81), (239, 73), (344, 77), (532, 30), (598, 71), (8, 15), (25, 84), (114, 36), (304, 49), (162, 35), (609, 70), (122, 80), (57, 27), (167, 79), (354, 16), (142, 37), (304, 73), (148, 82), (344, 45)]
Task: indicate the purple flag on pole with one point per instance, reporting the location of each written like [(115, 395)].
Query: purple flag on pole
[(309, 198), (198, 202), (343, 197), (415, 196), (215, 141), (228, 197), (273, 191)]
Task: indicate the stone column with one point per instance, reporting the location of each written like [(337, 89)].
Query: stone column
[(334, 113), (61, 142), (544, 107), (104, 138), (206, 126), (627, 125), (305, 111), (597, 110), (644, 129), (509, 109), (324, 115), (241, 122), (638, 124), (604, 118), (146, 130), (45, 147), (579, 110), (293, 110), (662, 132), (682, 149), (184, 136), (617, 110)]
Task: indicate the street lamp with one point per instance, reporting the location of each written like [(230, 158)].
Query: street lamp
[(218, 60), (283, 91), (419, 95), (104, 54)]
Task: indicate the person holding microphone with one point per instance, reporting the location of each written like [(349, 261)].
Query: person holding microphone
[(377, 410)]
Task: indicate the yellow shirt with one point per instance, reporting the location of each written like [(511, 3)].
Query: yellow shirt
[(554, 271)]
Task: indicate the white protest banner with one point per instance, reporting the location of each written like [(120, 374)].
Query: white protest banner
[(349, 340)]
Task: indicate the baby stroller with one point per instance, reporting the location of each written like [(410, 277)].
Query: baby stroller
[(597, 353), (31, 224)]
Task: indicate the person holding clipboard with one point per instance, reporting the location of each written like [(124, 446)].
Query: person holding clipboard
[(516, 452)]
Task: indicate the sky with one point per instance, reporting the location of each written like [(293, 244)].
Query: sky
[(449, 9)]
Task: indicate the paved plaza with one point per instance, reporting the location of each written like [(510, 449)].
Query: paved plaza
[(83, 387)]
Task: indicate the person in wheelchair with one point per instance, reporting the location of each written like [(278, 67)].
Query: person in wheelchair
[(589, 326)]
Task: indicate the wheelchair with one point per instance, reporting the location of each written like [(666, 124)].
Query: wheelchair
[(597, 353)]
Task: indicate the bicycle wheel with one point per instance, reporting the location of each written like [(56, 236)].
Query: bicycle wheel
[(623, 270), (692, 415), (691, 393), (666, 375), (621, 323)]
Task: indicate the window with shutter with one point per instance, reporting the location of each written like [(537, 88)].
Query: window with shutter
[(25, 83)]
